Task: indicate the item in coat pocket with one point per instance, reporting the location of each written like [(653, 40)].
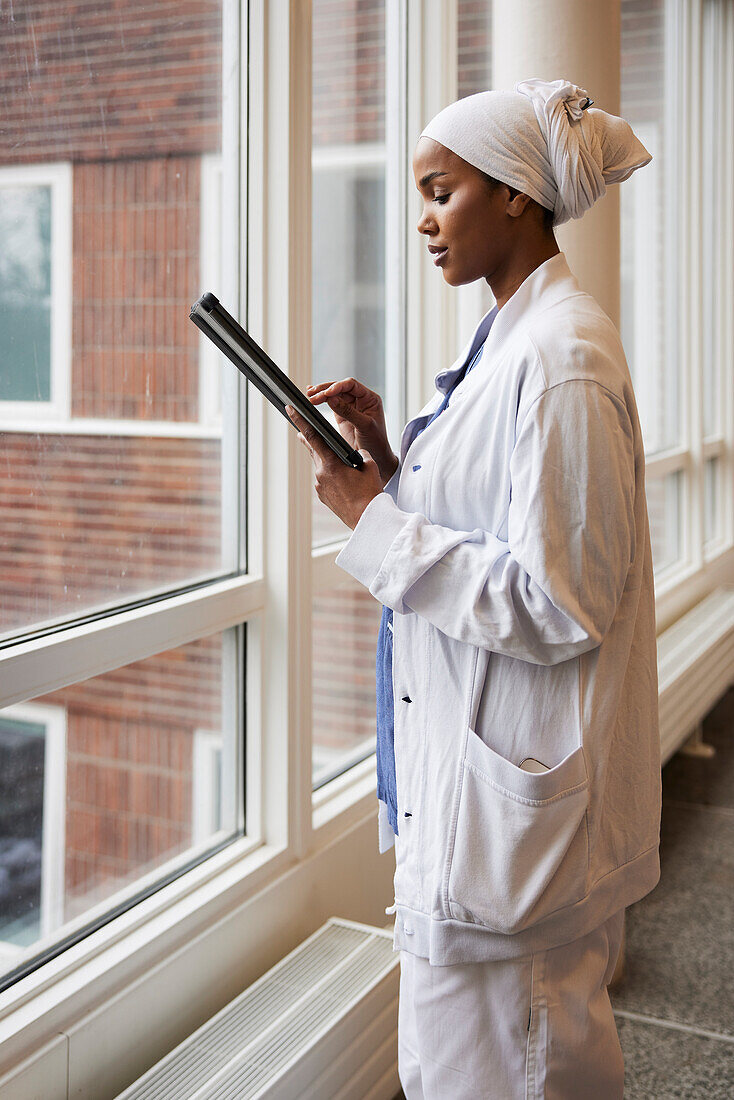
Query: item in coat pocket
[(530, 764)]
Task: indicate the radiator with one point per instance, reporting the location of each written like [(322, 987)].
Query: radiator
[(320, 1025), (695, 667)]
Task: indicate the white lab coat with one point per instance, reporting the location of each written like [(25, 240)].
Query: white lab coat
[(513, 546)]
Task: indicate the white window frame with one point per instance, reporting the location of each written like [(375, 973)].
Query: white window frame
[(53, 842), (59, 178)]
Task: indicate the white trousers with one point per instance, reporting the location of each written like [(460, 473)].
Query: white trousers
[(463, 1030)]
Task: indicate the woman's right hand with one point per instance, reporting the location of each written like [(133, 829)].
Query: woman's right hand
[(360, 419)]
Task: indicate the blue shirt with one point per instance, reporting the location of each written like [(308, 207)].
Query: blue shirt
[(386, 782)]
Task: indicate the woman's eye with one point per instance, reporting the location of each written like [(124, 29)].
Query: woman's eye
[(443, 198)]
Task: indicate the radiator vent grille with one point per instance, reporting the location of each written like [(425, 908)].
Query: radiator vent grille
[(243, 1051)]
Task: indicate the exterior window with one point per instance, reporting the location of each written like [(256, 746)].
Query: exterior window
[(116, 488), (109, 779), (32, 825), (35, 267)]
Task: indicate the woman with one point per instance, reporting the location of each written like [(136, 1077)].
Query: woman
[(509, 545)]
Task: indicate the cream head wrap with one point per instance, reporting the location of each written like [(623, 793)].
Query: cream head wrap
[(542, 140)]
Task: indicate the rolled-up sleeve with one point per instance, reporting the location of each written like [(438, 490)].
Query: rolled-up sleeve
[(551, 591)]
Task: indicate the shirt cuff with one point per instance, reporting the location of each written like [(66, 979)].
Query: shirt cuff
[(366, 549)]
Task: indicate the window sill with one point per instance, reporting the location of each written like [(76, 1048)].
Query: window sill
[(112, 1006), (118, 956), (111, 958)]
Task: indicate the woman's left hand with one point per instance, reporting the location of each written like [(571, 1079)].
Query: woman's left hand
[(345, 491)]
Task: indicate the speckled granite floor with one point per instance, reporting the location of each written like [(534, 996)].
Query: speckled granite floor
[(675, 1005), (679, 972)]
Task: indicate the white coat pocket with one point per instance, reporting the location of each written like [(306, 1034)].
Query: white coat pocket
[(521, 847)]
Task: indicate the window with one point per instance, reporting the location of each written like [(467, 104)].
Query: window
[(106, 782), (32, 836), (35, 277), (124, 581), (357, 260), (677, 244), (121, 476)]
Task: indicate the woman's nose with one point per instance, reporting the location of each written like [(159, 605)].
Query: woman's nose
[(426, 224)]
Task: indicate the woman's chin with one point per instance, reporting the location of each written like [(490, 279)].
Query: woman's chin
[(452, 277), (458, 278)]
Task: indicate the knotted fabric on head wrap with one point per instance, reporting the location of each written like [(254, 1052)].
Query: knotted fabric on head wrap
[(542, 140)]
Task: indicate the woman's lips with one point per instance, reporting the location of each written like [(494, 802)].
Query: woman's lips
[(439, 257)]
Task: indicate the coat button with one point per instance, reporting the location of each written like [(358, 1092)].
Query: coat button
[(416, 468), (407, 699)]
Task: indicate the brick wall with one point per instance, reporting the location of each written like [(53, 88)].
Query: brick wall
[(129, 772), (136, 262), (348, 71), (93, 519), (474, 46), (85, 81)]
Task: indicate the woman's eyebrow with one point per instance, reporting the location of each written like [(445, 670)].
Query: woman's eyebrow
[(431, 176)]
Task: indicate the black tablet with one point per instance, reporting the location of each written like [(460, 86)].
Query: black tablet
[(222, 329)]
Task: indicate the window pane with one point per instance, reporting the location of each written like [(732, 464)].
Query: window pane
[(122, 498), (664, 504), (474, 46), (346, 623), (348, 250), (25, 293), (349, 164), (646, 266), (22, 775), (109, 780), (714, 245)]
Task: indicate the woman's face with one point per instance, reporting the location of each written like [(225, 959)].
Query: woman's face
[(463, 215)]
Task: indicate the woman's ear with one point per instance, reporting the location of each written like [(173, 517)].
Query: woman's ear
[(518, 202)]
